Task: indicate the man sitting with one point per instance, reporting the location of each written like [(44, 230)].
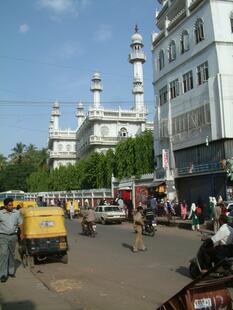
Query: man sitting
[(216, 248)]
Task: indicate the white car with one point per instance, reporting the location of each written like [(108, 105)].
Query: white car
[(109, 214), (230, 208)]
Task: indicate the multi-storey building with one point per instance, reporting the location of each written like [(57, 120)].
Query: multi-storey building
[(193, 80), (101, 129)]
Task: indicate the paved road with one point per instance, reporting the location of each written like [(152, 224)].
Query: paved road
[(103, 273)]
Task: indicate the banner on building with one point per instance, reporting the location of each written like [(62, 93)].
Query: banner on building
[(165, 158)]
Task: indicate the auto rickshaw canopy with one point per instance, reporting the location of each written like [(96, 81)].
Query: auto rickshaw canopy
[(43, 222)]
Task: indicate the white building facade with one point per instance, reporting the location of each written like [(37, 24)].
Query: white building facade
[(100, 129), (193, 80)]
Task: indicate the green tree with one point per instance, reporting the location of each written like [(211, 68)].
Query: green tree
[(18, 152), (3, 162), (38, 181)]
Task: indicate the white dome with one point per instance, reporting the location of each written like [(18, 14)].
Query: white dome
[(96, 76), (80, 105), (136, 38), (56, 104)]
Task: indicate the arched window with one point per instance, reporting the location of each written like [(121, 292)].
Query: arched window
[(172, 51), (123, 132), (231, 21), (68, 148), (184, 42), (199, 30), (60, 147), (161, 60)]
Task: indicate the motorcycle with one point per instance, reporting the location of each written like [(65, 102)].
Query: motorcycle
[(221, 268), (89, 229), (149, 228)]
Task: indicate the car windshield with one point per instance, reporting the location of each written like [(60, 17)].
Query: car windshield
[(112, 209)]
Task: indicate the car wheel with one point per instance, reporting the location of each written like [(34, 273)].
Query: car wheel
[(103, 222)]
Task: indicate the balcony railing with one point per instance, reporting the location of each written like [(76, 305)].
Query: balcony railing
[(63, 134), (137, 55), (194, 4), (68, 155), (201, 168), (181, 15)]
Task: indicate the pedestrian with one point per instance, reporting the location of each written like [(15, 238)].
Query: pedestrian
[(217, 211), (153, 204), (183, 210), (10, 222), (194, 216), (71, 210), (138, 225)]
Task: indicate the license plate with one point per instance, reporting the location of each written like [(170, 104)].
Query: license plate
[(202, 303), (62, 245)]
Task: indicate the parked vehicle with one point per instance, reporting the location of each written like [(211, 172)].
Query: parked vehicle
[(109, 214), (76, 208), (19, 198), (229, 206), (44, 235)]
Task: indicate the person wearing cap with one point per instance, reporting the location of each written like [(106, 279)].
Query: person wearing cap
[(10, 221), (138, 225)]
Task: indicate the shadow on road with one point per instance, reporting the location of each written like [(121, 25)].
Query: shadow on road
[(184, 271), (20, 305), (128, 246)]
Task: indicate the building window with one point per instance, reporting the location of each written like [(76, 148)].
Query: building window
[(172, 51), (174, 88), (161, 60), (231, 21), (199, 30), (202, 73), (123, 132), (163, 95), (68, 147), (187, 81), (60, 147), (184, 42)]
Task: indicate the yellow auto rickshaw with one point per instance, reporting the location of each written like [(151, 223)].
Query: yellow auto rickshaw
[(44, 235), (76, 207)]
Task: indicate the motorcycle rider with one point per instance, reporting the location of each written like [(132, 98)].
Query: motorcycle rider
[(90, 218), (149, 216), (216, 248)]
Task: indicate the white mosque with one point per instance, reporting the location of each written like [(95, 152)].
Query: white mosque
[(100, 129)]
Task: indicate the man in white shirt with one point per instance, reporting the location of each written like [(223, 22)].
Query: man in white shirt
[(216, 248)]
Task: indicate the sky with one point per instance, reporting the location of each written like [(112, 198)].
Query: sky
[(49, 51)]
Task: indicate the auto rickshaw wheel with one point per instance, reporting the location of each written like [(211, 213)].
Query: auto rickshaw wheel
[(64, 259)]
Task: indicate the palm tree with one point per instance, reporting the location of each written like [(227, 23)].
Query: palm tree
[(31, 148), (43, 159), (18, 152), (3, 162)]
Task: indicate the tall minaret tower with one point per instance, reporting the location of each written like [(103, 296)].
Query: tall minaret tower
[(137, 58), (96, 88), (55, 115), (51, 123), (80, 114)]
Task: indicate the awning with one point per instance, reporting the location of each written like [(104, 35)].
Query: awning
[(125, 185)]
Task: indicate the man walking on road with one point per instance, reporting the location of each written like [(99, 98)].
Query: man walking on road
[(10, 221), (138, 224)]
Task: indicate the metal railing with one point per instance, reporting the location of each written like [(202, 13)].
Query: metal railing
[(200, 168)]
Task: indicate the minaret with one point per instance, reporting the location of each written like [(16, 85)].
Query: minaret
[(80, 114), (55, 115), (96, 88), (51, 123), (137, 58)]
